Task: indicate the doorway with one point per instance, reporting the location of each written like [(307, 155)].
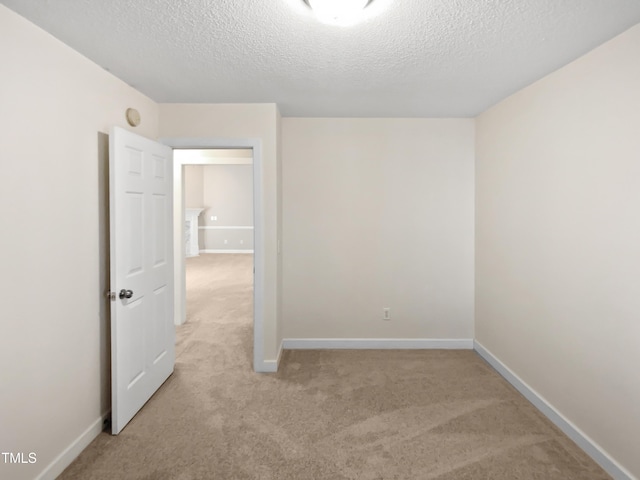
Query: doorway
[(192, 155)]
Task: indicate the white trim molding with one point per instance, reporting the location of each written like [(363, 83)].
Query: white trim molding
[(225, 251), (69, 454), (220, 227), (591, 448), (266, 366), (271, 366), (378, 343), (259, 249)]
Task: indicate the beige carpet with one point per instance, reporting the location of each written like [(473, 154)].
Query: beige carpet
[(331, 415)]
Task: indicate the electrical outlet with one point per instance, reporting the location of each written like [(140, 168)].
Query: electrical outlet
[(386, 313), (225, 242), (214, 218), (241, 242)]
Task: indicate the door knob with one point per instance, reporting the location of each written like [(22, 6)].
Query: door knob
[(125, 293)]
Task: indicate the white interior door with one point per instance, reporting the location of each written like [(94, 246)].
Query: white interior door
[(142, 327)]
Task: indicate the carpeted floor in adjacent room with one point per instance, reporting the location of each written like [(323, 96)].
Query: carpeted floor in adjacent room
[(331, 415)]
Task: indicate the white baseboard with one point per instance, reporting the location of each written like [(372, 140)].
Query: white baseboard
[(225, 227), (69, 454), (270, 366), (378, 343), (574, 433), (226, 251), (267, 366)]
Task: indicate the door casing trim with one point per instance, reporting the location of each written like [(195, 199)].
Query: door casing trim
[(258, 231)]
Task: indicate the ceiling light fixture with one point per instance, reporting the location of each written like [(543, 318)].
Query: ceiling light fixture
[(338, 12)]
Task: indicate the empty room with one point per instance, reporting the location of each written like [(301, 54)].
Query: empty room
[(429, 270)]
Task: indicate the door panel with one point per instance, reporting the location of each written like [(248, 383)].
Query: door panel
[(142, 327)]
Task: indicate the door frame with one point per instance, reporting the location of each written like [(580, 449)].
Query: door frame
[(258, 231)]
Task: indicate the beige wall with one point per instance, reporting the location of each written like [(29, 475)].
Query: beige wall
[(378, 213), (227, 196), (241, 121), (56, 111), (558, 241), (193, 186), (194, 192)]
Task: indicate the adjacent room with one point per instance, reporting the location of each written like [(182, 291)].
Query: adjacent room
[(397, 241), (217, 204)]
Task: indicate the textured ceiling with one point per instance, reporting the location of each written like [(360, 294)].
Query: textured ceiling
[(407, 58)]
